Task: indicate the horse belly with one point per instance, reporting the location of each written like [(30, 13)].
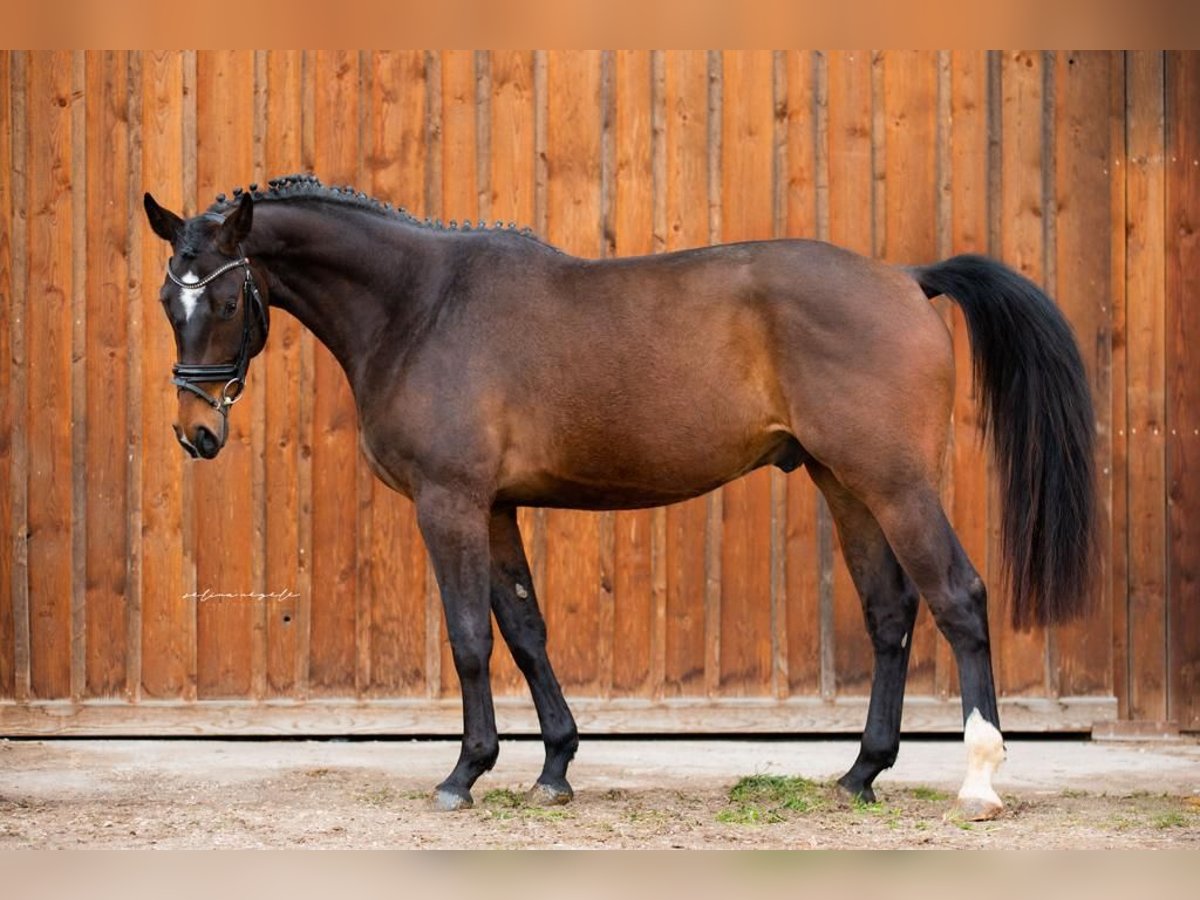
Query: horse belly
[(659, 460)]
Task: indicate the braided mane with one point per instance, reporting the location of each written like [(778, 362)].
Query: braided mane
[(309, 187)]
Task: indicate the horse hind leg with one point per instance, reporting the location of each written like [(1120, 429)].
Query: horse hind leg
[(917, 530), (889, 601)]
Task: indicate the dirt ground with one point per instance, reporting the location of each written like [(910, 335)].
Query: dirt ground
[(629, 794)]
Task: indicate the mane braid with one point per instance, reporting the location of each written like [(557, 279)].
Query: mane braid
[(308, 187)]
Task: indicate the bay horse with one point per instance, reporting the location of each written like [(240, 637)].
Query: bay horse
[(491, 371)]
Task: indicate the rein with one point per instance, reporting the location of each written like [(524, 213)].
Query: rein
[(233, 375)]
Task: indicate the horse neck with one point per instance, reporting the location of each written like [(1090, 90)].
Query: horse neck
[(343, 276)]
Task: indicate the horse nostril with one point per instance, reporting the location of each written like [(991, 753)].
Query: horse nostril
[(184, 442), (206, 443)]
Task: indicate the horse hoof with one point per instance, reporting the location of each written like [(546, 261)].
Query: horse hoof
[(449, 799), (863, 793), (975, 809), (542, 794)]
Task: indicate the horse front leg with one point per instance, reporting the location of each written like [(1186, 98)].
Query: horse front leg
[(455, 529), (516, 608)]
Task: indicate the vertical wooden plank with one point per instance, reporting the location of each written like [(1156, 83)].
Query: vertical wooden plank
[(747, 213), (1084, 291), (166, 624), (223, 502), (968, 461), (19, 481), (510, 198), (398, 564), (79, 419), (851, 225), (281, 374), (572, 581), (332, 661), (1145, 629), (107, 379), (7, 604), (1118, 541), (1183, 387), (686, 188), (135, 232), (1019, 657), (48, 333), (801, 562), (911, 232), (632, 235)]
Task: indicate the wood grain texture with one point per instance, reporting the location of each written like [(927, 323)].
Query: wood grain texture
[(107, 373), (1145, 646), (7, 401), (48, 334), (1183, 387)]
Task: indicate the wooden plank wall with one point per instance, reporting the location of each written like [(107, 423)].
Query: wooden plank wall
[(731, 612)]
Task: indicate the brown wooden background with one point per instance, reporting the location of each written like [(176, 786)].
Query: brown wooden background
[(732, 612)]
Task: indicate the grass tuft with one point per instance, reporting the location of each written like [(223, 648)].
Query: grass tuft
[(767, 799)]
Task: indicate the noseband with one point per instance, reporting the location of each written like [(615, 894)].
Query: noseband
[(232, 375)]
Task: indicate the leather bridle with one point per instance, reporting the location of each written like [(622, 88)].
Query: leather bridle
[(233, 375)]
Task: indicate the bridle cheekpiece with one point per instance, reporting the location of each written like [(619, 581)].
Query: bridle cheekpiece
[(233, 375)]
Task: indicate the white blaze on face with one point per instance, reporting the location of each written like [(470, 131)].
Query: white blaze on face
[(190, 296), (985, 752)]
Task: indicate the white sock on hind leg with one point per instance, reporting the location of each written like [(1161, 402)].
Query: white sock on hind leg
[(985, 752)]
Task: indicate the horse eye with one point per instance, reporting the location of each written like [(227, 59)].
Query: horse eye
[(229, 309)]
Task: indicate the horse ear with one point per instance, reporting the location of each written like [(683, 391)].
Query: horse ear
[(236, 226), (165, 223)]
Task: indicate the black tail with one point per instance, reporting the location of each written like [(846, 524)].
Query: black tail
[(1038, 408)]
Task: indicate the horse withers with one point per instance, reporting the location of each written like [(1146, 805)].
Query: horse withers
[(491, 371)]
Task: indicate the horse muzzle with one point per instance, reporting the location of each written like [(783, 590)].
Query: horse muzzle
[(202, 444)]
